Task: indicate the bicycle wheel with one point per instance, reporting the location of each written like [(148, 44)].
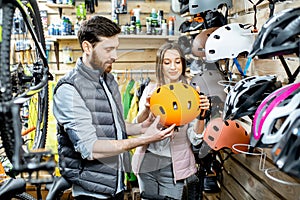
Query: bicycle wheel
[(39, 105), (24, 196), (24, 75)]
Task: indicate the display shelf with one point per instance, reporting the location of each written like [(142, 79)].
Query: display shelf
[(121, 36), (126, 42), (60, 7), (54, 5)]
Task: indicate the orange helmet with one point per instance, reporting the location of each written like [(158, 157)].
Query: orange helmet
[(198, 43), (220, 134), (176, 103)]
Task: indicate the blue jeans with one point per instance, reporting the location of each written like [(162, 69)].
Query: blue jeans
[(160, 182)]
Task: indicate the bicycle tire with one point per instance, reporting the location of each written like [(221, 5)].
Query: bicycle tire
[(43, 95), (24, 196), (7, 135), (6, 94)]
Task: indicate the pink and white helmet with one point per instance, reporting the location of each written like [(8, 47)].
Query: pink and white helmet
[(285, 153), (273, 115)]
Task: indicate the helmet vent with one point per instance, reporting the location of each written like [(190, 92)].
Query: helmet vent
[(158, 90), (171, 87), (162, 110), (216, 128), (217, 37), (189, 105), (211, 138), (226, 123), (212, 51), (175, 106), (227, 28), (237, 125)]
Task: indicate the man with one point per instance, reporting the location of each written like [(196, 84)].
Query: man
[(92, 134)]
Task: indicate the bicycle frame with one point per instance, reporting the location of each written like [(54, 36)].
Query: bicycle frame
[(35, 89), (40, 82)]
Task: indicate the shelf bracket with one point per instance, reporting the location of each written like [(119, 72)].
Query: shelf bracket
[(56, 51), (60, 12)]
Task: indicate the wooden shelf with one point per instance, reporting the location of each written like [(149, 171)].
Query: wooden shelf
[(60, 7), (168, 37), (74, 37), (55, 38), (54, 5), (126, 42)]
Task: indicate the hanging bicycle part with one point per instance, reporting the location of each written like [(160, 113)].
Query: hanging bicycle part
[(24, 88)]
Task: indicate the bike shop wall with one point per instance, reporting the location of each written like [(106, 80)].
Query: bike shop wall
[(242, 177)]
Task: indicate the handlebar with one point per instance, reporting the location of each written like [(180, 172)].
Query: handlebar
[(12, 187), (59, 185)]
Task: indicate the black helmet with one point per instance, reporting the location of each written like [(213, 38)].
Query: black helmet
[(196, 6), (279, 35), (244, 98)]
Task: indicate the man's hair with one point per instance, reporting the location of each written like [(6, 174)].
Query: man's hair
[(97, 26)]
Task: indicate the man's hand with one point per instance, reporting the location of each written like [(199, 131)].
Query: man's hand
[(145, 124), (154, 133), (107, 148)]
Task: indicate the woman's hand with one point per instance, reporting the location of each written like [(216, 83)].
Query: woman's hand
[(204, 107), (204, 102), (147, 104), (145, 112)]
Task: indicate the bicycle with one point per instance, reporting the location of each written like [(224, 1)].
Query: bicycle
[(24, 75)]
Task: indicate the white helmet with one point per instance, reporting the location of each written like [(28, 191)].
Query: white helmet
[(228, 41)]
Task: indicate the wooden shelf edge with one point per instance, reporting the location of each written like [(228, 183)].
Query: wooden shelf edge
[(54, 5), (73, 37)]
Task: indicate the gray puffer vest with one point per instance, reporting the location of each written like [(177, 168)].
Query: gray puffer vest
[(97, 176)]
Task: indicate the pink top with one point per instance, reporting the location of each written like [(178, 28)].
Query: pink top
[(183, 160)]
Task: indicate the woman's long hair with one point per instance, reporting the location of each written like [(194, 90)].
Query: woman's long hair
[(160, 58)]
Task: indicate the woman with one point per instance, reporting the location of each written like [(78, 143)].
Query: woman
[(162, 167)]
